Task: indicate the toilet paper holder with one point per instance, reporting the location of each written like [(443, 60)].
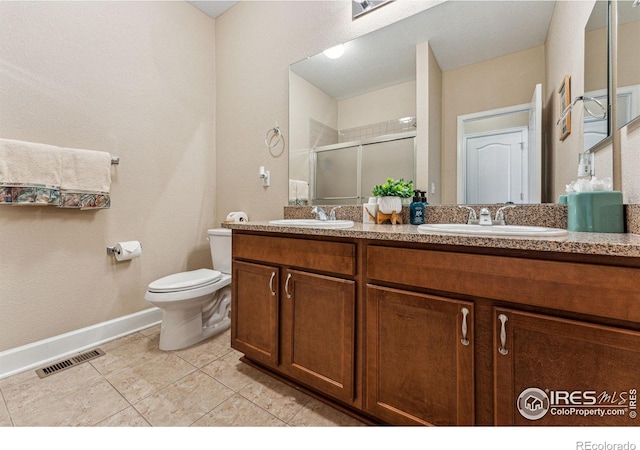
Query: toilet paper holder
[(113, 250)]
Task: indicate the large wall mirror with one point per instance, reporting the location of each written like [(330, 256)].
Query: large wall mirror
[(628, 67), (596, 104), (451, 97)]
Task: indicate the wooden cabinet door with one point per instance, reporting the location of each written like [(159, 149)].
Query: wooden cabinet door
[(550, 371), (318, 332), (254, 311), (419, 358)]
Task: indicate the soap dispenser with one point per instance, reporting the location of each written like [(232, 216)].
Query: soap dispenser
[(416, 209)]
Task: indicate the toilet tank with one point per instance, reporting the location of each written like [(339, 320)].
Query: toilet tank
[(220, 244)]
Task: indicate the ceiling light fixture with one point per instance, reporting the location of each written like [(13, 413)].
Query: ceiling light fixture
[(360, 7), (334, 52)]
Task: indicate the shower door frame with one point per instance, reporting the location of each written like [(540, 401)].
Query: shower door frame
[(358, 198)]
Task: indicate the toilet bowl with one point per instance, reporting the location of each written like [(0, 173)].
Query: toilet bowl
[(195, 304)]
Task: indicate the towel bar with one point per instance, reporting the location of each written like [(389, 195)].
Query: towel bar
[(115, 160)]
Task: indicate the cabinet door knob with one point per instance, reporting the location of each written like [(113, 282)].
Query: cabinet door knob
[(465, 313), (286, 286), (273, 292), (503, 334)]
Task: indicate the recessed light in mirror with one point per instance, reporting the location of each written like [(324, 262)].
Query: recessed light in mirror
[(334, 52)]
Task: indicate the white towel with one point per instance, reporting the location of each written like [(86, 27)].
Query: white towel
[(85, 171), (29, 173), (298, 191), (42, 174), (85, 179), (29, 164), (302, 190), (292, 191)]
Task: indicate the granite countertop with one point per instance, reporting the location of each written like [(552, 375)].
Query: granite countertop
[(609, 244)]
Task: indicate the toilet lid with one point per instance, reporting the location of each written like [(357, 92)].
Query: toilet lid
[(185, 280)]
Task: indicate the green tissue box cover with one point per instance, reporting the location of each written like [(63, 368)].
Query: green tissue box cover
[(598, 211)]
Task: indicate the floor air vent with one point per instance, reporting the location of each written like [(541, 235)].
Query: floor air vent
[(70, 362)]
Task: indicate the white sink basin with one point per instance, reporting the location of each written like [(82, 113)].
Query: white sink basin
[(312, 223), (491, 230)]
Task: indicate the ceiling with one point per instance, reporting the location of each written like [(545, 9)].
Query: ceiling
[(212, 8), (459, 33)]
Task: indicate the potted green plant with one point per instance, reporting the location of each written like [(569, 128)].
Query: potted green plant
[(391, 193)]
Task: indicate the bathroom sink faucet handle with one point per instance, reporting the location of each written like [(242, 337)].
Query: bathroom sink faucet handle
[(472, 219), (319, 212), (332, 214), (485, 217), (500, 214)]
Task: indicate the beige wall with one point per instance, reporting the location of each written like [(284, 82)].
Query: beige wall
[(306, 102), (255, 44), (135, 79), (595, 67), (377, 106), (492, 84), (629, 67)]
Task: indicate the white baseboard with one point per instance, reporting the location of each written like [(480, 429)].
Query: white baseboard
[(39, 353)]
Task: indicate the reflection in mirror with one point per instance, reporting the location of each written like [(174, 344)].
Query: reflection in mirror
[(345, 173), (628, 90), (499, 154), (452, 63), (596, 77)]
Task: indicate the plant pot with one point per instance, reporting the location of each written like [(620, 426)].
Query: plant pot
[(389, 204)]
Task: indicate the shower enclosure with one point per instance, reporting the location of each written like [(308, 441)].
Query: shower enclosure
[(346, 173)]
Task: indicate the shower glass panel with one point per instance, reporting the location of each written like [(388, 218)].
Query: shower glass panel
[(390, 159), (345, 174), (336, 179)]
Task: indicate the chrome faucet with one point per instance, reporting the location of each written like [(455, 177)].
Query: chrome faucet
[(500, 219), (472, 219), (320, 213), (485, 217)]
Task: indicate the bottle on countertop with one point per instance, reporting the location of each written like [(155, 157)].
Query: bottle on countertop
[(416, 209), (423, 199), (370, 210)]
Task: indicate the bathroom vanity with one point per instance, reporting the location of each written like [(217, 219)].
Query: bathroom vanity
[(403, 328)]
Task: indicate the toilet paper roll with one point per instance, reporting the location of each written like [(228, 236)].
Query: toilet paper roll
[(125, 251), (237, 216)]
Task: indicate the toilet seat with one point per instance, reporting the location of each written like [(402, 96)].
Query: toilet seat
[(185, 281)]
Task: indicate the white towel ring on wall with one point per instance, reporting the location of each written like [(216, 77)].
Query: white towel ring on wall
[(273, 138)]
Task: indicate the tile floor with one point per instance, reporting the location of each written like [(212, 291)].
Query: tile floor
[(137, 385)]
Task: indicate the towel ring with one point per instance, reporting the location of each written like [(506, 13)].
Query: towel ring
[(273, 133), (583, 99)]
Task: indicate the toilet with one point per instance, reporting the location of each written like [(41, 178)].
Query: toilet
[(195, 304)]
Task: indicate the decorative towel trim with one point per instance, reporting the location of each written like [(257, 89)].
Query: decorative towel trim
[(25, 195), (43, 195), (84, 200)]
